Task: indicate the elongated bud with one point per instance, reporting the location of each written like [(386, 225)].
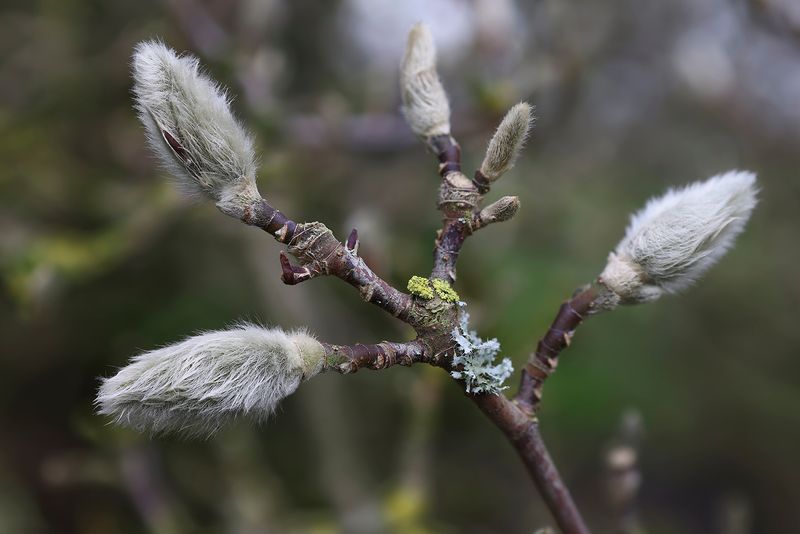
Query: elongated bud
[(195, 386), (425, 103), (499, 211), (507, 142), (191, 128), (677, 237)]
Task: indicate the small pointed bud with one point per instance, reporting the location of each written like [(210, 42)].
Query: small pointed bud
[(499, 211), (291, 275), (425, 103), (677, 237), (352, 241), (507, 142), (197, 385), (190, 127)]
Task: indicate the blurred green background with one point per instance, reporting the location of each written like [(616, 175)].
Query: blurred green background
[(100, 258)]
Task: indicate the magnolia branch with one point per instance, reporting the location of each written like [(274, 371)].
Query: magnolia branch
[(544, 361), (196, 385), (350, 358), (523, 433), (320, 253), (459, 198), (458, 201)]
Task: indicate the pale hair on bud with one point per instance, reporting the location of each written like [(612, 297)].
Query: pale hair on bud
[(425, 103), (197, 385), (191, 128), (500, 210), (507, 142), (677, 237)]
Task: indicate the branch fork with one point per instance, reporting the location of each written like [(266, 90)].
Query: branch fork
[(220, 163), (668, 245)]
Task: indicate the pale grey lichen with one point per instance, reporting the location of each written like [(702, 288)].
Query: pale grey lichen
[(475, 360)]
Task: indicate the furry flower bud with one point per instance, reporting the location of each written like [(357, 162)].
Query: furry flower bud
[(195, 386), (677, 237), (425, 103), (500, 210), (190, 127), (507, 142)]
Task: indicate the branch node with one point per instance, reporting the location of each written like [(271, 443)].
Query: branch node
[(457, 194), (481, 182)]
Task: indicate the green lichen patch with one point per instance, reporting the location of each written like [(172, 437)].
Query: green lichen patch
[(445, 292), (421, 287)]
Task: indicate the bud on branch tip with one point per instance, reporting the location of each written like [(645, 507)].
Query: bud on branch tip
[(425, 103), (190, 127), (507, 142), (677, 237), (197, 385)]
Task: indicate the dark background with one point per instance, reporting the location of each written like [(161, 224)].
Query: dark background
[(100, 258)]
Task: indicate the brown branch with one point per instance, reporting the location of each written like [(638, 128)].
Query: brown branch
[(544, 361), (291, 275), (458, 198), (264, 216), (458, 201), (350, 358), (320, 253), (447, 151), (481, 182), (523, 433)]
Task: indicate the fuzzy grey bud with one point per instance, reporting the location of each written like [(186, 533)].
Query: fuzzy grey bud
[(190, 127), (425, 103), (677, 237), (197, 385), (507, 142), (499, 211)]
